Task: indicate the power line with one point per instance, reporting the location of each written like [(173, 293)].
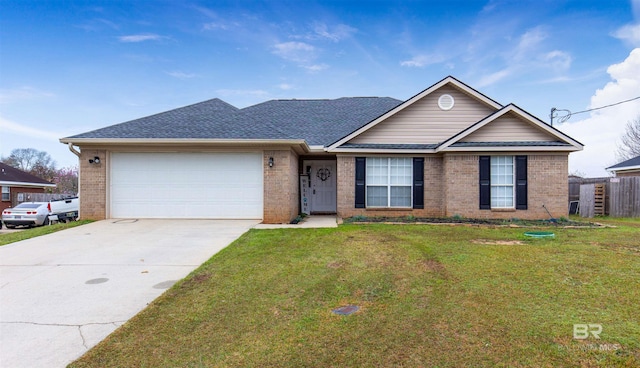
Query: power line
[(570, 114)]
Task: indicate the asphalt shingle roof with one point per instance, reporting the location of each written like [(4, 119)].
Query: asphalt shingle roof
[(11, 174), (630, 162), (319, 122)]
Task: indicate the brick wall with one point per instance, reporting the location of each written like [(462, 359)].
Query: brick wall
[(546, 181), (452, 188), (281, 187), (93, 185), (433, 199)]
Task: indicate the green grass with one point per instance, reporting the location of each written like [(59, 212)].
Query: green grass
[(37, 231), (436, 296)]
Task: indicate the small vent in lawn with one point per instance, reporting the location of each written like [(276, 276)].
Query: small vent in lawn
[(346, 310)]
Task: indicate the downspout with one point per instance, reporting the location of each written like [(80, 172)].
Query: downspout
[(77, 153), (73, 150)]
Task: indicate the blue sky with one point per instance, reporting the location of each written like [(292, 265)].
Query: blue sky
[(69, 67)]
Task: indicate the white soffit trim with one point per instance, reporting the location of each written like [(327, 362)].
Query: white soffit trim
[(624, 168), (512, 149), (24, 184), (380, 150), (575, 145), (412, 100), (301, 143)]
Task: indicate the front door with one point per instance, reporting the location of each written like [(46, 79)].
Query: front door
[(323, 186)]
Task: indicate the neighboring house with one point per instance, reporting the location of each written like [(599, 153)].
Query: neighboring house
[(14, 181), (449, 150), (630, 167)]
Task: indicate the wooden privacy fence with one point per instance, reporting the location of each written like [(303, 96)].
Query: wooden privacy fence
[(39, 197), (625, 197), (616, 197)]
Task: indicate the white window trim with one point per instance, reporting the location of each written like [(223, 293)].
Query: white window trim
[(6, 190), (512, 185), (388, 186)]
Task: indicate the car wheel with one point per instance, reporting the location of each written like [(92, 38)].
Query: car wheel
[(46, 221)]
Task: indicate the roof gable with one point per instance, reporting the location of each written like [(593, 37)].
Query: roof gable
[(510, 126), (9, 175), (420, 120), (632, 163)]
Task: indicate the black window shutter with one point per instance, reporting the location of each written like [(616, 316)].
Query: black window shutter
[(361, 174), (418, 182), (485, 182), (521, 182)]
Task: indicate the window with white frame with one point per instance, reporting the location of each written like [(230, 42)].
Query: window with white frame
[(6, 194), (502, 182), (389, 181)]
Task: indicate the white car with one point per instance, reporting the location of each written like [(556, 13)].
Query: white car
[(26, 214)]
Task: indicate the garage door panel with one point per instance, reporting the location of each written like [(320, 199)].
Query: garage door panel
[(186, 185)]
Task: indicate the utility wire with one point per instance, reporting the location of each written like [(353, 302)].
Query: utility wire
[(602, 107), (564, 118)]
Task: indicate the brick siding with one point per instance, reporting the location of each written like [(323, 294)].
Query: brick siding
[(93, 185), (452, 188), (281, 187)]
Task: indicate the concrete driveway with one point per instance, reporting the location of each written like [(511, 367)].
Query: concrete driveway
[(61, 294)]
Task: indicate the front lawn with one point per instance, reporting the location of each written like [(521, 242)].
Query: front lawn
[(434, 296)]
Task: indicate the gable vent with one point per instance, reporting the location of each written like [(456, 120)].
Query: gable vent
[(445, 102)]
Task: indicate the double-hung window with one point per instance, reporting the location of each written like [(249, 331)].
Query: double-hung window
[(503, 182), (6, 194), (389, 181)]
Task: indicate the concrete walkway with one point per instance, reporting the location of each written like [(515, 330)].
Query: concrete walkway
[(62, 293), (313, 221)]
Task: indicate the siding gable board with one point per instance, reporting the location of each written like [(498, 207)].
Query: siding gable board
[(425, 123), (509, 128)]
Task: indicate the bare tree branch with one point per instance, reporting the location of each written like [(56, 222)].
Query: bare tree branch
[(629, 146)]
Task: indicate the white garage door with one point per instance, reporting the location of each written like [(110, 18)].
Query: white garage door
[(186, 185)]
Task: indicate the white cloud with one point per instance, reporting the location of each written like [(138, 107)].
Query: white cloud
[(527, 57), (558, 60), (602, 130), (21, 129), (295, 51), (285, 86), (242, 92), (423, 60), (141, 38), (629, 33), (22, 93), (335, 34), (181, 75), (316, 67), (529, 42), (494, 77), (212, 26)]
